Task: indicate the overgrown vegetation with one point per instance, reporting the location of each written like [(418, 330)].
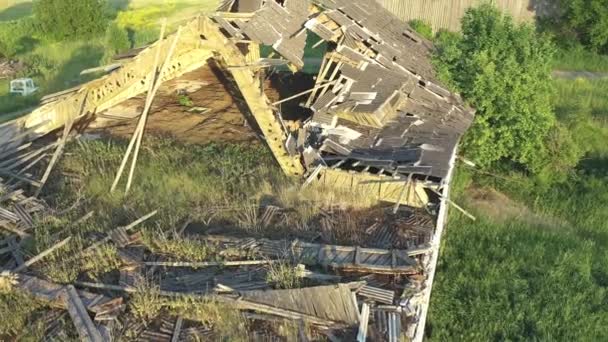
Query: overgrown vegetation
[(540, 277), (504, 71), (70, 19), (422, 28)]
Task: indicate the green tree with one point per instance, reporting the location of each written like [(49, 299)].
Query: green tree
[(62, 19), (588, 19), (504, 71)]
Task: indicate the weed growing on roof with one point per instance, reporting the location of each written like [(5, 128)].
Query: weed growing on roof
[(283, 275), (16, 309), (146, 302), (177, 247), (226, 321)]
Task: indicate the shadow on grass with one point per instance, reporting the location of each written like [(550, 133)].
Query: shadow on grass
[(595, 166), (17, 11), (68, 74)]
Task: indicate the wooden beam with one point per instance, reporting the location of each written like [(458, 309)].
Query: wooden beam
[(82, 321), (208, 263), (304, 93)]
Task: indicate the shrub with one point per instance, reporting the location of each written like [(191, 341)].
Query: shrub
[(504, 70), (61, 19), (422, 28)]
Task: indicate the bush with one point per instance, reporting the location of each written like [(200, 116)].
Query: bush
[(504, 70), (61, 19), (422, 28)]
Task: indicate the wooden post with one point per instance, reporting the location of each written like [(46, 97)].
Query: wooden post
[(155, 85), (66, 132), (141, 121)]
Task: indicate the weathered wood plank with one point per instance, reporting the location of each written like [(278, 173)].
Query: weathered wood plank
[(82, 321)]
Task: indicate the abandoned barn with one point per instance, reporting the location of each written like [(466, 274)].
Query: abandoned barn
[(374, 123)]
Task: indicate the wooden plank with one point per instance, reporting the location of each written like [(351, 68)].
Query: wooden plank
[(82, 321), (59, 150), (177, 330), (16, 251), (363, 323), (208, 263), (147, 105)]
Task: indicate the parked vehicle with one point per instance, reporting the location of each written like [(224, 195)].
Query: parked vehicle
[(23, 86)]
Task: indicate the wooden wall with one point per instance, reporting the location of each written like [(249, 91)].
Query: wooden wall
[(446, 14)]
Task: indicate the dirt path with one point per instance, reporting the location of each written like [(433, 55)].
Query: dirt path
[(572, 75)]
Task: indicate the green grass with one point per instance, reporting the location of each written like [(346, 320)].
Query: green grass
[(15, 9), (56, 66), (520, 280), (579, 59)]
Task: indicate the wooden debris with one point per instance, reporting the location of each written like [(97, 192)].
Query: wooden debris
[(178, 329), (208, 263), (363, 324), (24, 217), (356, 259), (78, 312), (142, 120)]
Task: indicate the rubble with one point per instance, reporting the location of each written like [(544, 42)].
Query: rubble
[(376, 121)]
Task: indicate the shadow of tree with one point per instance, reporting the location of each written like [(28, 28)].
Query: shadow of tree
[(594, 166), (17, 11), (68, 74)]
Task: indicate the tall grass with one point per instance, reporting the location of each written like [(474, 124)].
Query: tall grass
[(580, 59), (522, 281)]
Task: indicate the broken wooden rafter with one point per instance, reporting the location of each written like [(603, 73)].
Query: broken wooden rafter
[(317, 87), (155, 86), (208, 263)]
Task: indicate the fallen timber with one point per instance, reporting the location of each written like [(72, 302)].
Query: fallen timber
[(348, 258), (381, 125)]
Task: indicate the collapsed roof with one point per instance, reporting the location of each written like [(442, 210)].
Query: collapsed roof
[(378, 115), (378, 105)]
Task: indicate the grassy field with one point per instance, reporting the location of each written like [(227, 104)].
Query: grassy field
[(56, 66), (536, 276)]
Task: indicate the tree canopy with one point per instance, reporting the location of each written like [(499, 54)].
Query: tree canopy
[(504, 70), (61, 19), (588, 20)]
